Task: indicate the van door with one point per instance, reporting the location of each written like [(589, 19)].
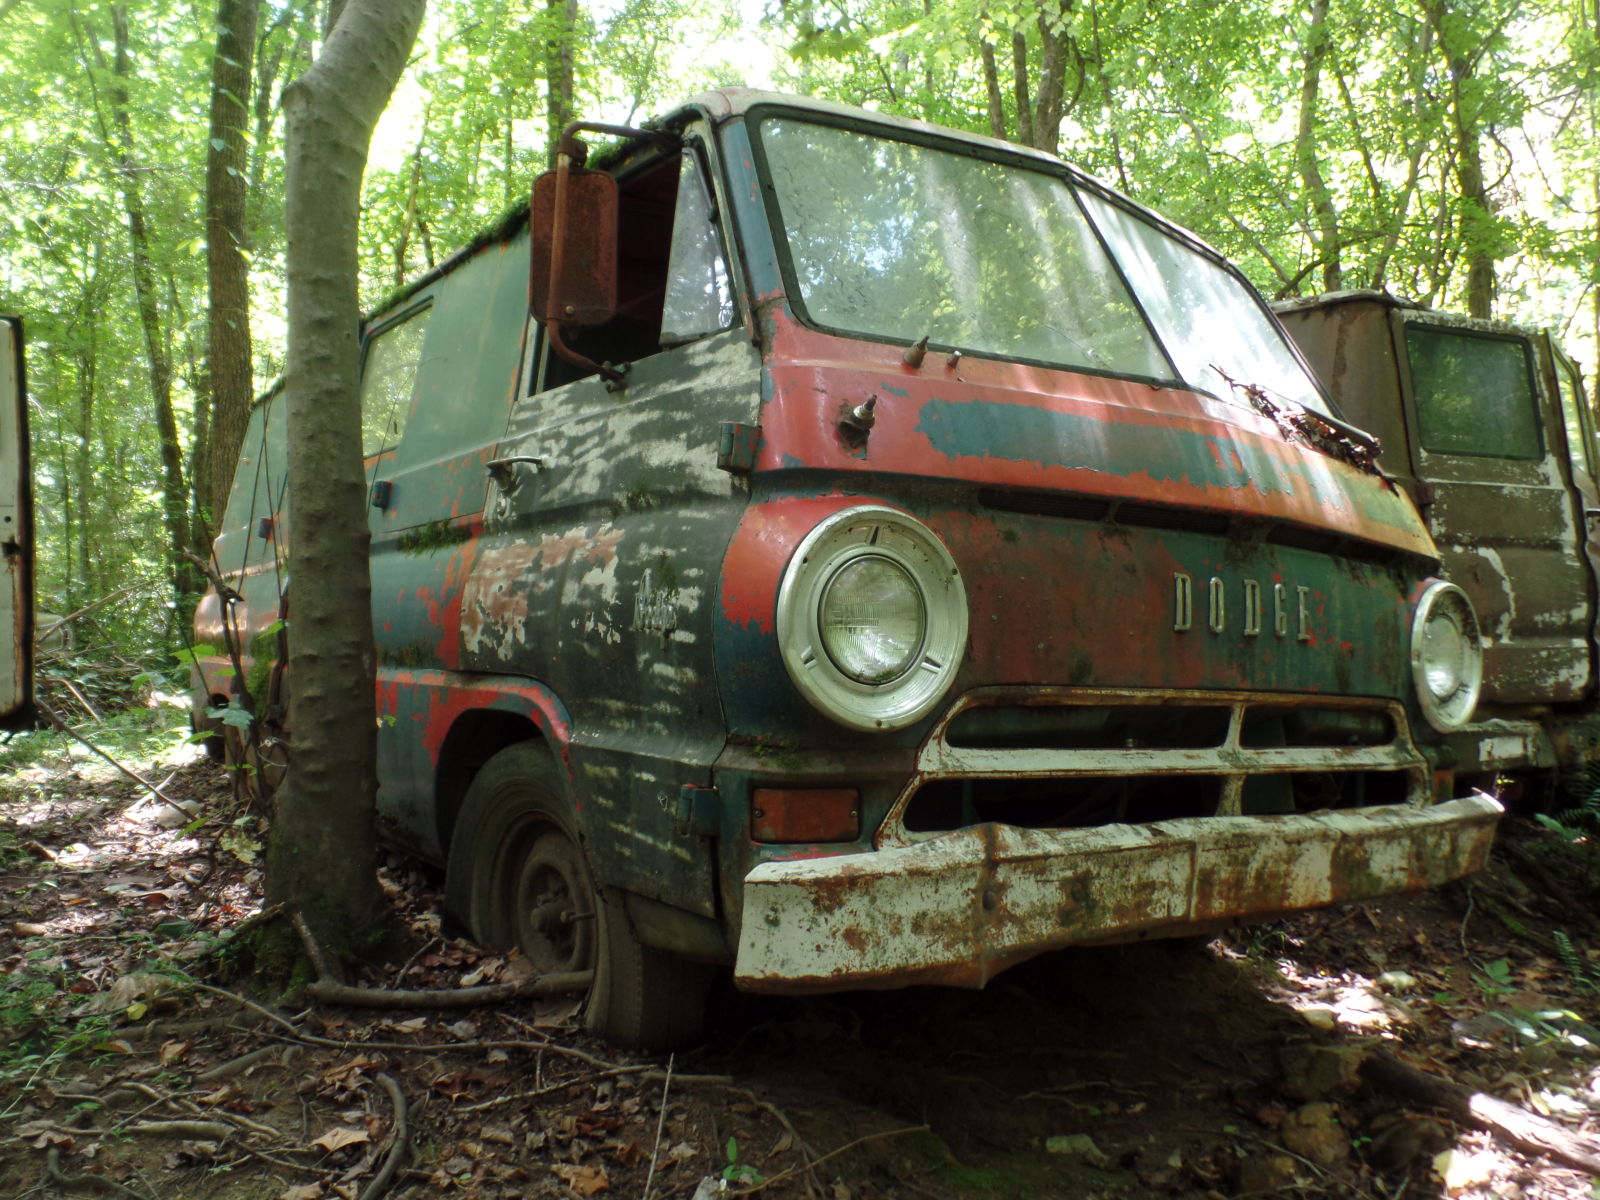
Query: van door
[(1488, 457), (439, 374), (16, 534), (601, 552), (1584, 455)]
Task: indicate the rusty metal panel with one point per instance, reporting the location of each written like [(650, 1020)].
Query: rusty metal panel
[(961, 907), (1510, 528), (16, 534), (597, 577)]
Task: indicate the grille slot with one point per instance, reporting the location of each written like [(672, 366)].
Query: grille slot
[(1059, 803), (1067, 759), (1085, 727)]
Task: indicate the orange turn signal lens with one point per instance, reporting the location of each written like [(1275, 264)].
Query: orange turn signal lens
[(805, 815)]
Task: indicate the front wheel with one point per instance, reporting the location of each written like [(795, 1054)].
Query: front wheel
[(518, 876)]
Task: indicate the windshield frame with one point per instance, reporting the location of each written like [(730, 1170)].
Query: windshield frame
[(946, 143), (1016, 158)]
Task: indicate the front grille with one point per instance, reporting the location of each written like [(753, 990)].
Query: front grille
[(1064, 759)]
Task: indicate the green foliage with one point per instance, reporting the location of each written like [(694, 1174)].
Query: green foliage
[(1495, 979), (1579, 968), (1578, 824), (736, 1172), (39, 1036), (1209, 112)]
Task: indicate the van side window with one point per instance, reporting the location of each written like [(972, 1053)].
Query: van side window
[(388, 377), (1578, 446), (1474, 393), (698, 301), (672, 276)]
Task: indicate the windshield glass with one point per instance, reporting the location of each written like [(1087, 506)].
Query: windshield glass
[(899, 241), (1208, 318)]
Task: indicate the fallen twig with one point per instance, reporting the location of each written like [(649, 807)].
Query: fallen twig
[(848, 1146), (560, 983), (326, 970), (54, 1173), (397, 1148), (55, 626), (155, 791), (235, 1065), (238, 999), (661, 1122), (1523, 1129), (808, 1156), (76, 695)]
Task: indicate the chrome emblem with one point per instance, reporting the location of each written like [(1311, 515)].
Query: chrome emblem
[(1286, 610)]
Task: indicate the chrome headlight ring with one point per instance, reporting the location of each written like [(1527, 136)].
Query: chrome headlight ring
[(872, 618), (1446, 656)]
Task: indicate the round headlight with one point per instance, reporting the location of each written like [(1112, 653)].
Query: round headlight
[(872, 618), (1446, 656)]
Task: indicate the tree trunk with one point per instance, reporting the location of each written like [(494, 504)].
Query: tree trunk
[(1054, 45), (1479, 238), (991, 87), (560, 68), (228, 273), (1326, 240), (119, 139), (1019, 85), (322, 853)]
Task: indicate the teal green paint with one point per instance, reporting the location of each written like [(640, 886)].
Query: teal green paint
[(1022, 433)]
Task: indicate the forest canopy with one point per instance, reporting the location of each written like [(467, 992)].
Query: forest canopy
[(1442, 149)]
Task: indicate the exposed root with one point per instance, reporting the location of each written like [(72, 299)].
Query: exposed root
[(1523, 1129), (397, 1146)]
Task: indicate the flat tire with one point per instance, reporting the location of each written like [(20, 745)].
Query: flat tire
[(518, 876)]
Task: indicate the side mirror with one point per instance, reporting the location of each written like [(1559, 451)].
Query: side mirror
[(573, 270)]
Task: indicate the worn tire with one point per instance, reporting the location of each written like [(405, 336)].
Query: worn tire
[(518, 876)]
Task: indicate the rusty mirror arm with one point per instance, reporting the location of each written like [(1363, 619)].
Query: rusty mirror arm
[(598, 193)]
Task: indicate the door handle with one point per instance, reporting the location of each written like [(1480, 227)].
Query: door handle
[(505, 473)]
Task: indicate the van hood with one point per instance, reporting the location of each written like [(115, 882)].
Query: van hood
[(1134, 451)]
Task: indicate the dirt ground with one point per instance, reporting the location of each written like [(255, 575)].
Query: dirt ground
[(1239, 1068)]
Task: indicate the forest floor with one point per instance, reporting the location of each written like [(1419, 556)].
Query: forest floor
[(129, 1067)]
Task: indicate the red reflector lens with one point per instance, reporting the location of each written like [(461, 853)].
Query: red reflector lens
[(805, 815)]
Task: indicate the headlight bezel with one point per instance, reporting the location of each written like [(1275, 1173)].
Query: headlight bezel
[(1447, 602), (837, 541)]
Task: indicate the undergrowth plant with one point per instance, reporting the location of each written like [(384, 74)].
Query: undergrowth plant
[(1579, 824)]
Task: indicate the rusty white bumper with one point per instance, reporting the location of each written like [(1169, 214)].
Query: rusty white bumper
[(1502, 746), (960, 907)]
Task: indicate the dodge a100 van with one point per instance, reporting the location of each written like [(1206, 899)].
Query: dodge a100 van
[(1486, 425), (853, 553)]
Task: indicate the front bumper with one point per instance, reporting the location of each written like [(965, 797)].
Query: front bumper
[(1500, 745), (960, 907), (1565, 742)]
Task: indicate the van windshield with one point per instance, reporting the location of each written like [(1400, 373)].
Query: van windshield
[(895, 240), (900, 240), (1209, 319)]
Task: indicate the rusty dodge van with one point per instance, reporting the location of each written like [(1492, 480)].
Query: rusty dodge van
[(858, 554), (1486, 426)]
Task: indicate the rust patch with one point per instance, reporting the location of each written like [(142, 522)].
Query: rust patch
[(494, 602)]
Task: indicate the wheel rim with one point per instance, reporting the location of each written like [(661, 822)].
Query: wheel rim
[(552, 905)]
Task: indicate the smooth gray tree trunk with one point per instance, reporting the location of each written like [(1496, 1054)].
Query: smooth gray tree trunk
[(321, 857)]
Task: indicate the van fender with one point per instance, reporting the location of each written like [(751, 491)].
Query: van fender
[(436, 727)]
